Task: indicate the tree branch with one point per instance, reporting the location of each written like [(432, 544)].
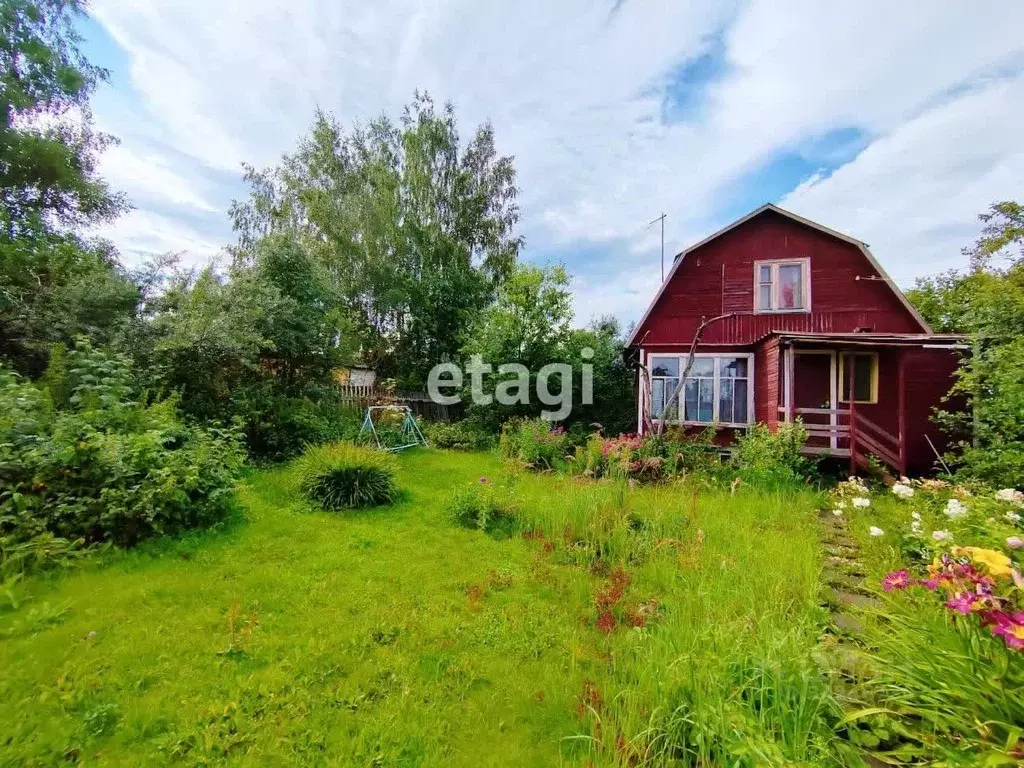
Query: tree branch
[(704, 323)]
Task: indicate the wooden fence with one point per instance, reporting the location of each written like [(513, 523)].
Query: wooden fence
[(360, 397)]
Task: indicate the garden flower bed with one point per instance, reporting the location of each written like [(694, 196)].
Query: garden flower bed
[(945, 650)]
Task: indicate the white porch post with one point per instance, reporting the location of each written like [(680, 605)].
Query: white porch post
[(790, 362), (641, 394)]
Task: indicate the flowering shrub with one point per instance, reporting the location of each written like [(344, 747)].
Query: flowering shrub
[(646, 458), (955, 537), (534, 442), (851, 493)]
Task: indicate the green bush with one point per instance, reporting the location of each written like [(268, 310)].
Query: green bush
[(106, 467), (483, 506), (347, 476), (769, 458), (280, 428), (458, 436), (534, 442)]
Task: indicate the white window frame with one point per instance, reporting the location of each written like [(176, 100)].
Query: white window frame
[(717, 356), (774, 264)]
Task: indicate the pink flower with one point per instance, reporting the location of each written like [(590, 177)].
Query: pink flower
[(897, 580), (1009, 626), (962, 602), (1015, 542)]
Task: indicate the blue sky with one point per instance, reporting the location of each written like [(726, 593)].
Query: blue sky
[(894, 122)]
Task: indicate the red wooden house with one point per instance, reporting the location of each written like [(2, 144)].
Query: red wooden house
[(807, 324)]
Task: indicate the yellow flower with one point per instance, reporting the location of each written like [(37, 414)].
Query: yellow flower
[(996, 563)]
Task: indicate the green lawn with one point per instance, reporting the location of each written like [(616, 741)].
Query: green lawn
[(390, 637)]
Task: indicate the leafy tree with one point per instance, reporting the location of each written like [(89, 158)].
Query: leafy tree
[(529, 324), (529, 321), (53, 285), (415, 230), (249, 342), (614, 383), (987, 302)]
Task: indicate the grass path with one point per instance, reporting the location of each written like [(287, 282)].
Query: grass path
[(391, 638)]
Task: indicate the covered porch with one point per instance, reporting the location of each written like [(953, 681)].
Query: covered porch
[(860, 395)]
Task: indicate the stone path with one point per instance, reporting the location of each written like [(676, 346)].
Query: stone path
[(845, 594), (843, 576)]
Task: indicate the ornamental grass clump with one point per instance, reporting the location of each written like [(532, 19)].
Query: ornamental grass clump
[(484, 506), (347, 476)]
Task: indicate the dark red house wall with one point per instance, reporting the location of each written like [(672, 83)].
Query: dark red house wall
[(718, 278), (930, 375), (766, 382)]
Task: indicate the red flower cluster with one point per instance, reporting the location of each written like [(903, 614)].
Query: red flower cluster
[(608, 597), (622, 444)]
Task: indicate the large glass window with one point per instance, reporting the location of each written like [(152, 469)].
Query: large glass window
[(716, 391), (732, 390), (782, 286), (664, 378), (699, 391)]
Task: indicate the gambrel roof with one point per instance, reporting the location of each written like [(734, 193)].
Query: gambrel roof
[(793, 217)]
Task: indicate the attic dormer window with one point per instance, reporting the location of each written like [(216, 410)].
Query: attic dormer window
[(782, 286)]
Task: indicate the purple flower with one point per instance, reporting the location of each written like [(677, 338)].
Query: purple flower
[(962, 602), (896, 580), (484, 480)]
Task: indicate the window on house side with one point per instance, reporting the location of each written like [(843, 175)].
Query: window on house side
[(664, 378), (865, 378), (782, 286), (716, 391)]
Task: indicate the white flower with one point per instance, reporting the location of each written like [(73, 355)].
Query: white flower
[(903, 491), (1011, 495), (837, 512), (955, 509), (904, 479), (875, 531), (941, 535), (861, 503), (1015, 542), (1013, 517), (916, 515)]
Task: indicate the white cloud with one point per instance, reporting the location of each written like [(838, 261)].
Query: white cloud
[(141, 234), (621, 296), (147, 176), (577, 92), (914, 193)]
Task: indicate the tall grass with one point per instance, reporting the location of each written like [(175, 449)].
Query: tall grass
[(724, 675)]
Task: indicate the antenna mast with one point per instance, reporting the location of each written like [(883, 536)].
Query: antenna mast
[(662, 220)]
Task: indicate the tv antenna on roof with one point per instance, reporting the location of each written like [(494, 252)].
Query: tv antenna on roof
[(652, 223)]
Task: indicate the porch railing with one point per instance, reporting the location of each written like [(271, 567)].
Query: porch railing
[(848, 434), (867, 438)]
